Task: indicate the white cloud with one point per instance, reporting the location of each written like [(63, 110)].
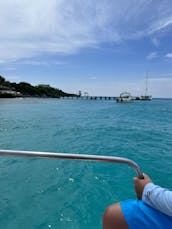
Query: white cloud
[(168, 55), (41, 63), (34, 62), (9, 69), (155, 41), (92, 78), (152, 55), (162, 23), (29, 28)]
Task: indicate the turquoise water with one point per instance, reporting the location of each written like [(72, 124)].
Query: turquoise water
[(46, 193)]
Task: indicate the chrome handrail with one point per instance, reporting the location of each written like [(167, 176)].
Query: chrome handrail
[(67, 156)]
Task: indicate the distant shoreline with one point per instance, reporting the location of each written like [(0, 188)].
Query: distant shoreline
[(63, 97), (23, 89)]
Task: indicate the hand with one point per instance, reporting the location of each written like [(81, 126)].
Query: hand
[(139, 184)]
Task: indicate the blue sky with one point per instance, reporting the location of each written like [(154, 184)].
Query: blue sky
[(101, 47)]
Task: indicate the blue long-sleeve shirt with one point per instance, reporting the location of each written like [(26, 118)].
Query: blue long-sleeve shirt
[(158, 198)]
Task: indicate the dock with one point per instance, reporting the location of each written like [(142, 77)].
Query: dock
[(90, 97)]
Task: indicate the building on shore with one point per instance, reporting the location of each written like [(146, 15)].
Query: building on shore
[(8, 92)]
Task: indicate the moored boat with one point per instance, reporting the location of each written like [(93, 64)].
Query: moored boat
[(124, 98), (145, 97)]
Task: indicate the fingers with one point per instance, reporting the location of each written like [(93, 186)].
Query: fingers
[(136, 179), (145, 177)]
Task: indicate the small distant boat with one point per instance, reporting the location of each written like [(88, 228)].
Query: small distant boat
[(124, 97), (146, 96)]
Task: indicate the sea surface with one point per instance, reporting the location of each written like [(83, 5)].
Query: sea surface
[(51, 193)]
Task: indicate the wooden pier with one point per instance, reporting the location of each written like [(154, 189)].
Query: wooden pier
[(90, 97)]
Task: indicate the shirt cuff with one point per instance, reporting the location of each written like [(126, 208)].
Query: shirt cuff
[(147, 191)]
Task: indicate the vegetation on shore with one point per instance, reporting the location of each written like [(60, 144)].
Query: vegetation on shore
[(23, 89)]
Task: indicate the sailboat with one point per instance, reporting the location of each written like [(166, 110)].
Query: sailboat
[(146, 96)]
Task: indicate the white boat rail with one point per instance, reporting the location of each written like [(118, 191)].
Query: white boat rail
[(80, 157)]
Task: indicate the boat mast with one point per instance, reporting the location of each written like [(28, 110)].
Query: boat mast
[(146, 84)]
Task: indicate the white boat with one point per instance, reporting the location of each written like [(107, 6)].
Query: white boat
[(146, 96), (124, 97)]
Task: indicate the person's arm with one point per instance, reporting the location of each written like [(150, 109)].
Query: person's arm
[(153, 195)]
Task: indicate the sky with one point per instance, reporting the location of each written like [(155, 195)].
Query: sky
[(100, 47)]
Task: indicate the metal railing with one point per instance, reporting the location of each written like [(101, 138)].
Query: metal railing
[(67, 156)]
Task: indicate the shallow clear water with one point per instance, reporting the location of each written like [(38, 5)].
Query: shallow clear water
[(46, 193)]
